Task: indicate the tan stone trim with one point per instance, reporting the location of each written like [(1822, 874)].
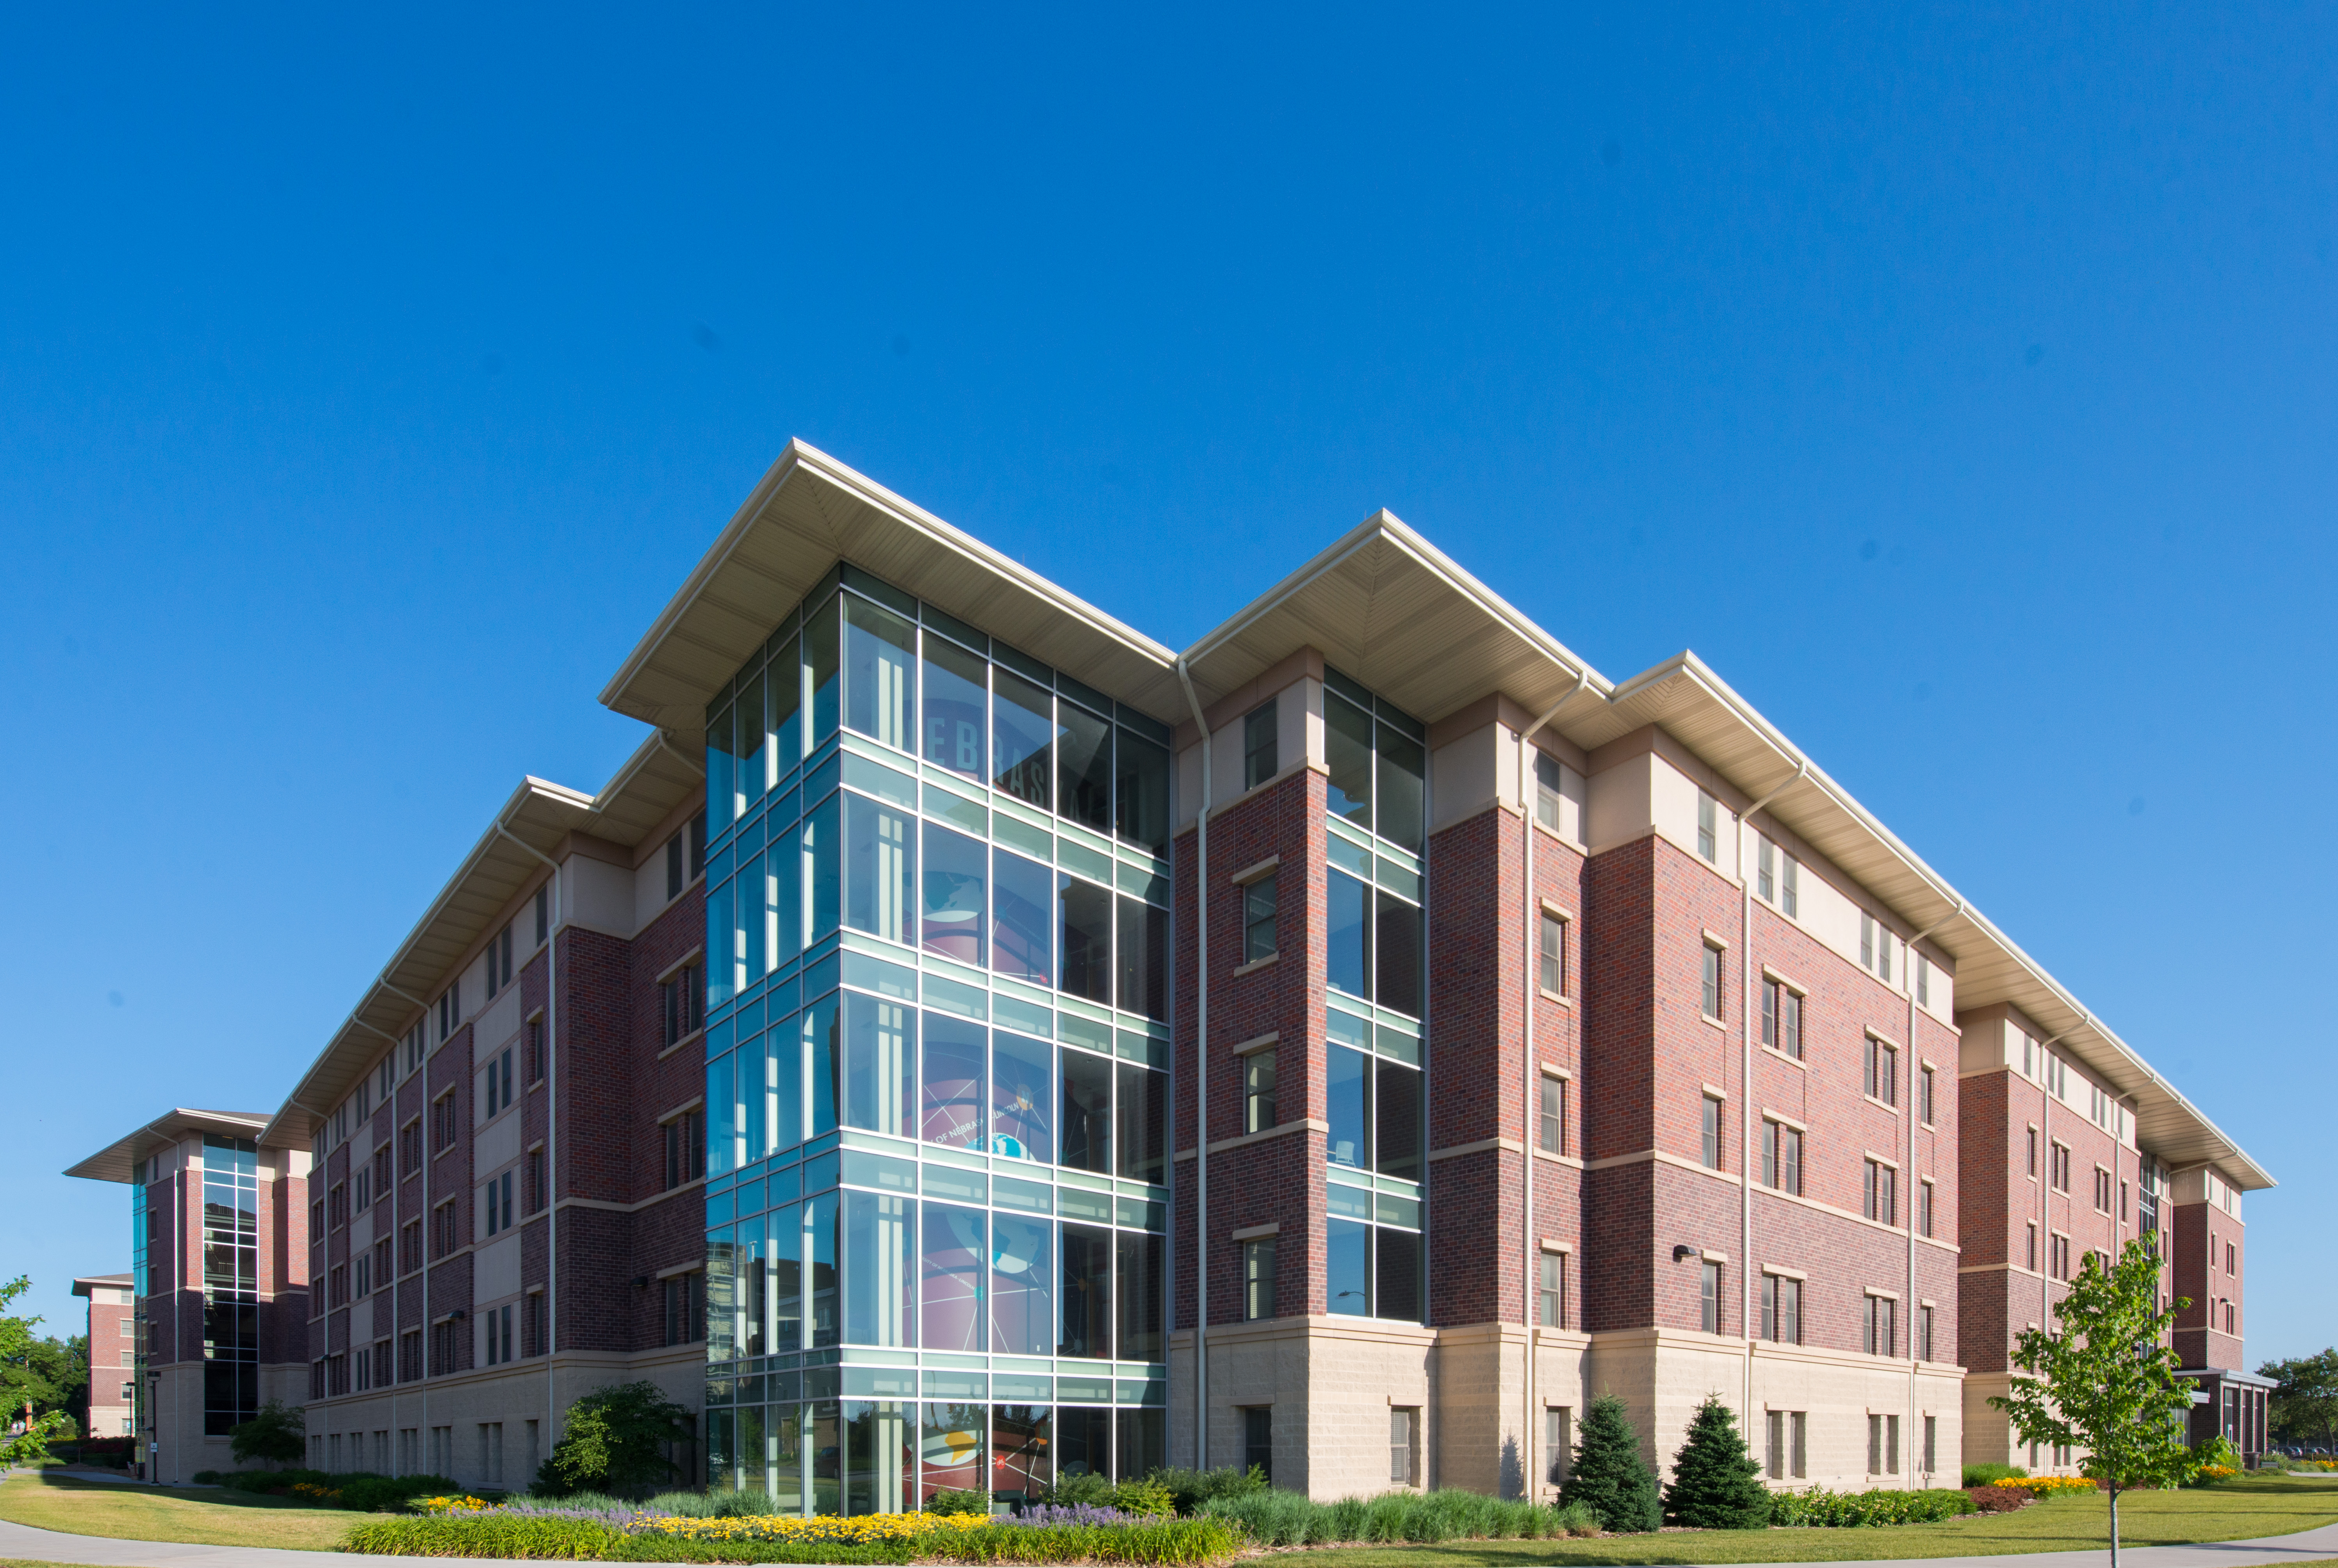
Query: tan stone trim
[(1455, 1150), (1553, 1244), (605, 1206), (681, 963), (1250, 874), (1796, 987), (1714, 939), (1782, 1120), (1257, 1232), (1254, 966), (1281, 1129), (1783, 1272), (671, 1270), (1714, 1092), (1256, 1042), (684, 1109)]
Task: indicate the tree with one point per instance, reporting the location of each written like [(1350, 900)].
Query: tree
[(278, 1434), (2305, 1405), (1608, 1476), (1716, 1484), (2106, 1382), (615, 1441), (17, 1353)]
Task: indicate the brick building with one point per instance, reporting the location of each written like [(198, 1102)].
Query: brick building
[(1348, 1046), (112, 1352)]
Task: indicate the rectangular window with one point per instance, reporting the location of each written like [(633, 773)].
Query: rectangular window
[(1260, 747), (495, 1086), (1782, 1157), (1931, 1437), (1924, 1350), (1709, 1297), (1551, 1292), (1554, 954), (1711, 1132), (1765, 873), (443, 1229), (1923, 1208), (1258, 1279), (1258, 1090), (444, 1122), (1881, 1071), (1258, 1439), (543, 904), (1550, 780), (685, 1151), (535, 1193), (1881, 1193), (1708, 839), (536, 1050), (1792, 905), (1258, 919), (2033, 1152), (410, 1148), (1924, 981), (1551, 1123), (684, 1308), (1878, 1332), (682, 1002), (1711, 978), (2031, 1255), (1924, 1096), (2060, 1155), (1557, 1443), (1404, 1445), (1781, 1309)]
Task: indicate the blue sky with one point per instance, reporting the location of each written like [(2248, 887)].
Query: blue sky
[(1958, 383)]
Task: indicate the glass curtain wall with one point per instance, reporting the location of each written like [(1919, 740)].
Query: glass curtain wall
[(1375, 991), (231, 1282), (937, 1043)]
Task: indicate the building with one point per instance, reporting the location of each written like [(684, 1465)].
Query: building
[(112, 1352), (220, 1289), (971, 1042)]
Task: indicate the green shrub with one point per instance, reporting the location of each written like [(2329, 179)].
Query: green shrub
[(1818, 1508), (491, 1536), (1175, 1543), (1575, 1519), (1189, 1489), (1608, 1476), (207, 1477), (958, 1500), (277, 1432), (1715, 1482), (721, 1503), (614, 1439), (1990, 1474)]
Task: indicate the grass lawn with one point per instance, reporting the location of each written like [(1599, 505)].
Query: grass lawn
[(207, 1516), (2239, 1511)]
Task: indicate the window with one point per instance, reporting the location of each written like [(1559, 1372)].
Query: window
[(409, 1147), (1551, 1292), (544, 908), (443, 1123), (1258, 1438), (1258, 918), (680, 1000), (1404, 1445), (1550, 788), (1712, 982), (443, 1228), (2032, 1254), (499, 962), (1875, 947), (1881, 1072), (1554, 954), (495, 1085), (685, 857), (536, 1050), (410, 1247), (1782, 1157), (362, 1190), (536, 1192), (1551, 1124), (1711, 1131), (539, 1342), (685, 1151), (2060, 1156), (1374, 760), (409, 1356), (1258, 1279), (1884, 1444), (1880, 1193), (1924, 983), (1781, 1308), (337, 1286), (1557, 1443), (1924, 1207), (685, 1301), (1782, 1018), (495, 1208), (450, 1010), (1709, 1297), (1258, 1090), (497, 1321), (1924, 1096), (1708, 842), (1766, 871), (361, 1277), (1788, 1444), (1924, 1351), (2232, 1260), (382, 1274), (337, 1207), (2058, 1255), (1260, 747), (1878, 1331), (2033, 1152), (2102, 1191), (1792, 905)]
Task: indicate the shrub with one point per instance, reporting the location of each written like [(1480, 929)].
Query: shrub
[(276, 1435), (1998, 1499), (1575, 1519), (1608, 1476), (1090, 1490), (1189, 1489), (496, 1535), (207, 1477), (1818, 1508), (1990, 1474), (1715, 1482), (958, 1500)]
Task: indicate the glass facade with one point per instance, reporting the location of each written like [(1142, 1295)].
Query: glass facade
[(1375, 995), (140, 1288), (937, 1043), (231, 1282)]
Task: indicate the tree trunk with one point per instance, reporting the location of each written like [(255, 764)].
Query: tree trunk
[(2114, 1486)]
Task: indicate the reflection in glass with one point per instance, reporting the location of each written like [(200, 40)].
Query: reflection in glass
[(782, 878), (878, 650), (1021, 1094), (783, 709), (1396, 1130), (721, 1298), (1348, 933), (1022, 722), (881, 861), (753, 1453), (755, 772), (1020, 1465), (1142, 1443), (1022, 1298), (782, 1097), (1086, 1293), (1136, 1290), (1347, 1103), (1083, 760), (951, 1111), (1396, 959), (783, 1247), (951, 913), (1144, 959), (1140, 795), (823, 870), (784, 1435), (880, 1049), (1348, 758), (1348, 1267), (819, 1245), (877, 1458), (951, 1445), (957, 708), (1083, 1440), (955, 1265), (879, 1282), (1143, 1121), (1401, 771), (1087, 1111), (1023, 918), (823, 1043), (1397, 1264), (819, 672), (826, 1423), (723, 805), (1086, 938)]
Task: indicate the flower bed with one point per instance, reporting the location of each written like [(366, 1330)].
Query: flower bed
[(1818, 1508), (647, 1537), (2047, 1485)]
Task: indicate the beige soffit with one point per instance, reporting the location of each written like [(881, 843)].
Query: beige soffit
[(658, 776), (114, 1162), (808, 511)]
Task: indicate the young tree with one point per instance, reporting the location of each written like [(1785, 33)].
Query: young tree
[(2305, 1405), (1609, 1476), (277, 1433), (16, 1350), (615, 1441), (1716, 1484), (2106, 1380)]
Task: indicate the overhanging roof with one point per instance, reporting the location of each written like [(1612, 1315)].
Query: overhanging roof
[(114, 1162), (87, 1282), (808, 511)]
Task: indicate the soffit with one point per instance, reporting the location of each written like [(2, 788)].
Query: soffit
[(808, 511), (114, 1162)]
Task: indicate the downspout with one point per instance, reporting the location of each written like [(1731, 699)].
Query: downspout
[(1744, 819), (1915, 1066), (1200, 1087), (551, 1131), (1529, 1487)]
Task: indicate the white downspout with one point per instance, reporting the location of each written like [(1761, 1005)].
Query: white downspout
[(1914, 1068), (1744, 819), (551, 1132), (1200, 1087)]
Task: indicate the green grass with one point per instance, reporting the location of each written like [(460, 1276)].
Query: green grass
[(209, 1516), (2239, 1510)]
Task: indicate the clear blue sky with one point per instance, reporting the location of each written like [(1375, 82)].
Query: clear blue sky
[(1961, 385)]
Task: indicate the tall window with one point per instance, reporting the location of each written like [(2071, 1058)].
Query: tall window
[(1924, 1096), (2033, 1152), (1550, 1134), (1557, 1443), (685, 1150), (1766, 871), (1551, 1292), (1708, 838), (1258, 1090), (1884, 1443), (1782, 1157), (536, 1050), (1924, 1343), (1258, 1279), (1550, 788), (1881, 1074), (1258, 1439), (685, 857), (1258, 918), (1404, 1445), (1261, 748), (2031, 1253), (684, 1307), (495, 1085), (1710, 1132), (1924, 981), (1875, 947), (1924, 1208), (1791, 886), (1878, 1332), (2060, 1155), (1554, 954), (682, 1000), (1881, 1193), (1788, 1444), (1711, 980), (1781, 1309), (1709, 1297)]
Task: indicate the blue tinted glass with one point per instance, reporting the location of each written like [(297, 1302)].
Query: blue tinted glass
[(819, 1249), (881, 865), (823, 866), (956, 708), (1347, 1268), (1022, 1093), (1022, 1274), (881, 1050), (1347, 939), (880, 1277), (820, 668), (822, 1044), (1346, 1102), (952, 1271), (722, 1106), (782, 1064), (1022, 725), (720, 978), (951, 1109), (880, 696), (956, 897)]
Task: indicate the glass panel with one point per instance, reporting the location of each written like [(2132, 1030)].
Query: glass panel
[(1348, 755), (827, 1444), (1141, 794), (782, 871), (722, 1301), (956, 702), (1022, 1300), (823, 870), (1141, 1444), (952, 1106), (956, 881), (783, 711), (1083, 1440), (881, 863), (1347, 1097), (1087, 1293), (1021, 918), (1144, 959), (819, 673), (1086, 945), (879, 647), (1084, 757), (880, 1288), (753, 773), (822, 1044), (1348, 1267), (1143, 1122), (721, 976), (1348, 933), (877, 1461), (1087, 1111), (820, 1248), (783, 1263), (1019, 1463), (953, 1269), (880, 1049), (721, 806), (1022, 721), (1396, 1133), (1401, 771), (1021, 1095), (951, 1448), (724, 1118), (1397, 957), (781, 1056), (1397, 1263), (1136, 1287), (783, 1437)]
